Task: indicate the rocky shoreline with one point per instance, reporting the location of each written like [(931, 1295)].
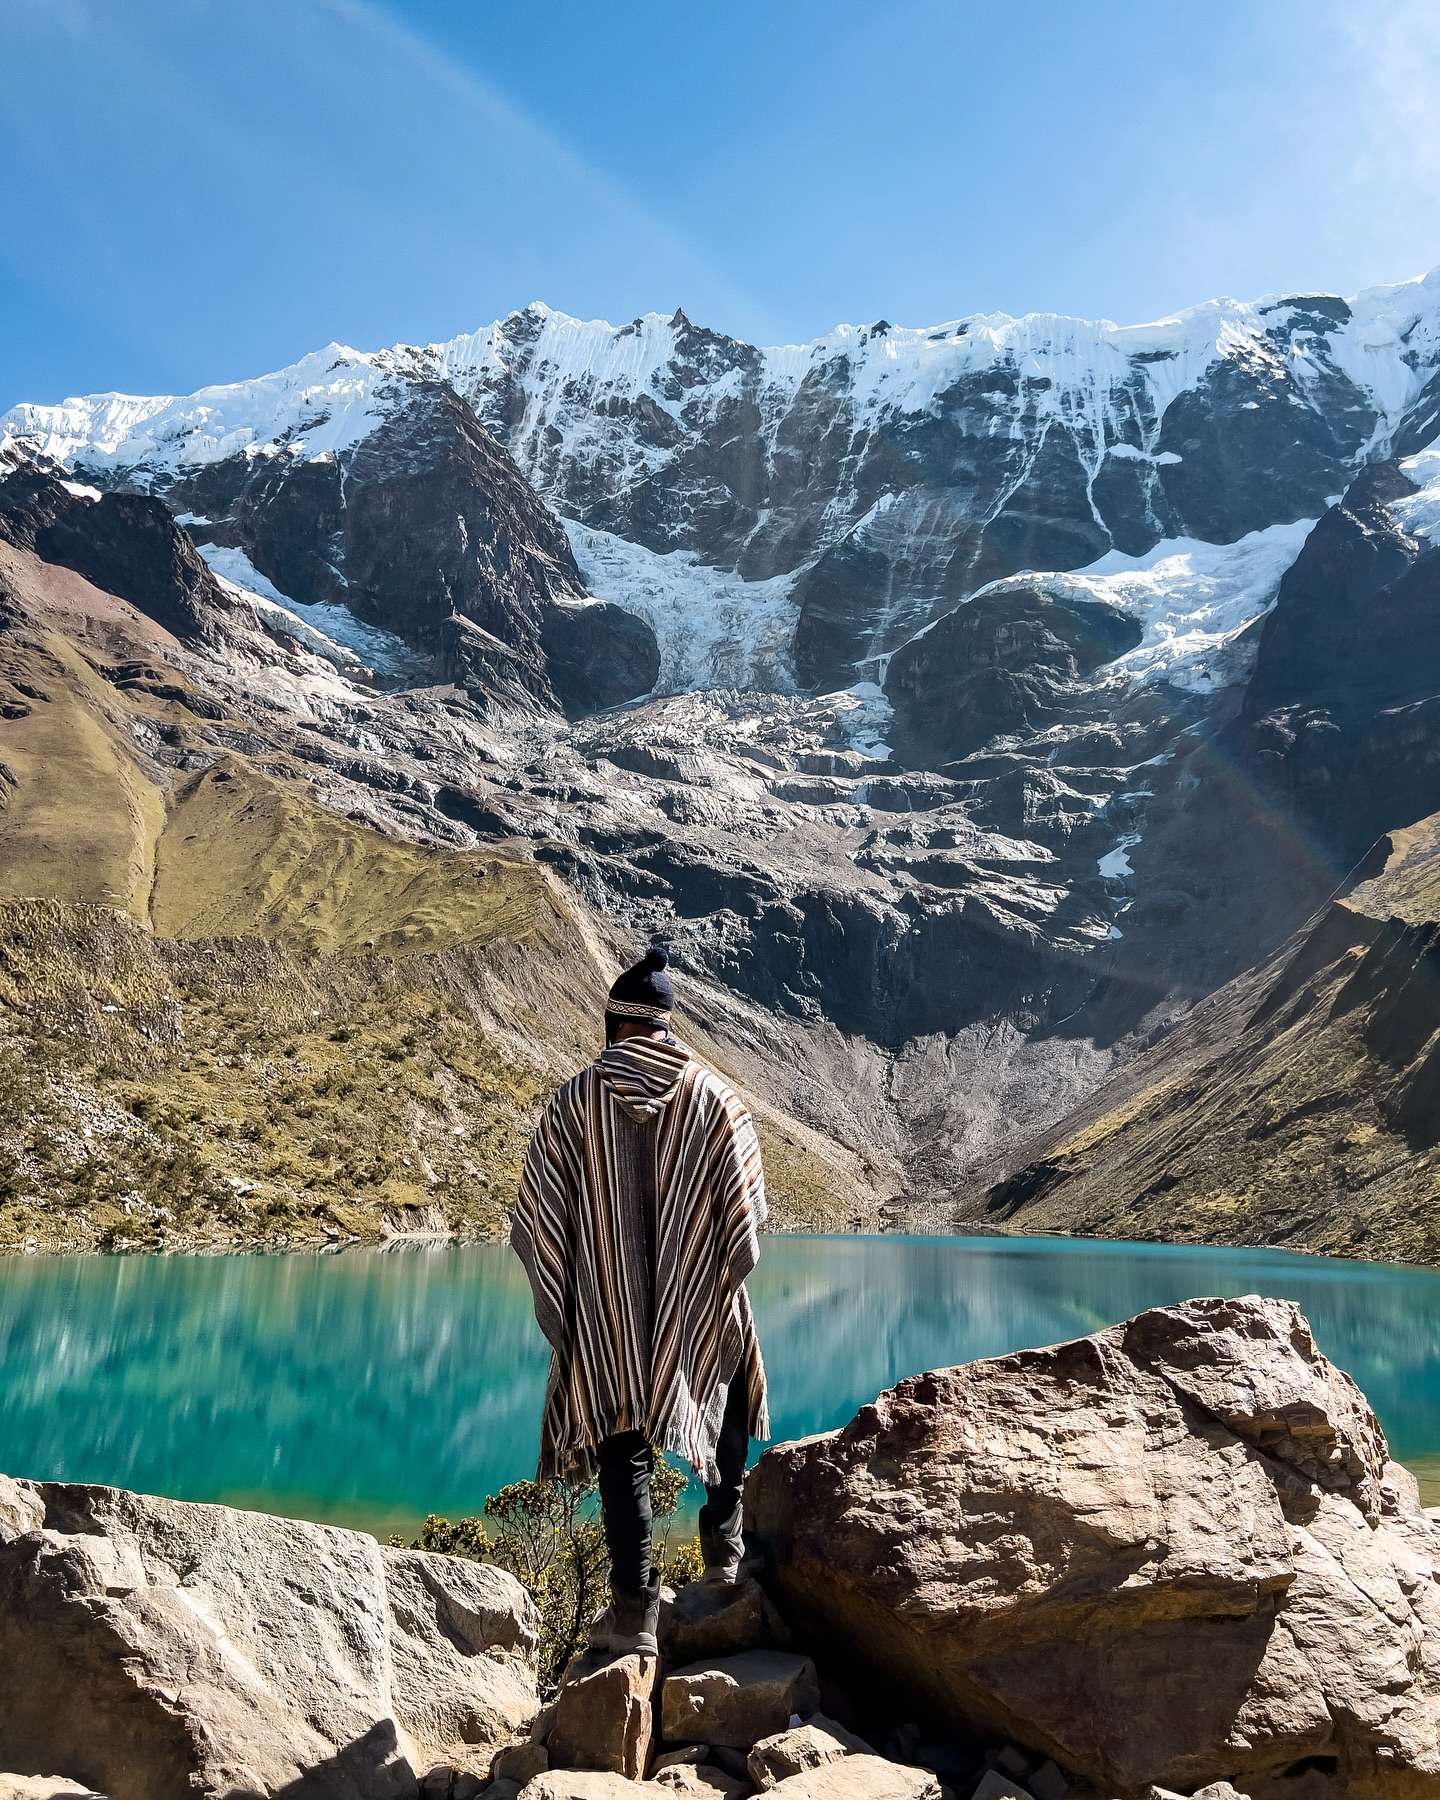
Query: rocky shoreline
[(1172, 1557)]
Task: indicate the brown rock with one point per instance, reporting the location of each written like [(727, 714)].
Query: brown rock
[(43, 1787), (707, 1780), (520, 1762), (603, 1718), (589, 1784), (859, 1778), (157, 1648), (809, 1746), (737, 1700), (672, 1759), (701, 1621), (1169, 1553)]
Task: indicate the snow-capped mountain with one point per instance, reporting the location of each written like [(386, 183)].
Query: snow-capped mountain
[(790, 516), (981, 693)]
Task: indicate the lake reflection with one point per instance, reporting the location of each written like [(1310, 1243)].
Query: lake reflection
[(371, 1388)]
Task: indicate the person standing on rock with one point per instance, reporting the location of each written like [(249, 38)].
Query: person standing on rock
[(639, 1215)]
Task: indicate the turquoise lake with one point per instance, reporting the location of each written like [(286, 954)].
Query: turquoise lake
[(369, 1388)]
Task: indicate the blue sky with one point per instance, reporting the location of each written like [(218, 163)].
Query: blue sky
[(199, 190)]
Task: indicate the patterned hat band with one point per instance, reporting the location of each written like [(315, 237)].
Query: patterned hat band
[(626, 1009)]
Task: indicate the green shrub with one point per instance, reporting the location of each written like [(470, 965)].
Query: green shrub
[(547, 1534)]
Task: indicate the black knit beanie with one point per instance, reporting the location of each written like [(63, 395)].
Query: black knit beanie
[(644, 992)]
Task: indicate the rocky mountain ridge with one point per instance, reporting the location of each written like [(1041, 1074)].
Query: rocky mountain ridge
[(1112, 752)]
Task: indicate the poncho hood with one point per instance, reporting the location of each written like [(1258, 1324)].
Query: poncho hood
[(643, 1074)]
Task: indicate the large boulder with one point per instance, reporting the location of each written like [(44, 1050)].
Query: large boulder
[(1173, 1552), (157, 1649)]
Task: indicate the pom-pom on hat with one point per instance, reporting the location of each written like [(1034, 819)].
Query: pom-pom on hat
[(644, 992)]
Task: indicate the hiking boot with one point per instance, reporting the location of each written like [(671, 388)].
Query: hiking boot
[(627, 1625), (723, 1547)]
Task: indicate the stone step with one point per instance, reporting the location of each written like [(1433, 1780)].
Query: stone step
[(737, 1700)]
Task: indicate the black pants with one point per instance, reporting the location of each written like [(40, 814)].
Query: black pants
[(625, 1464)]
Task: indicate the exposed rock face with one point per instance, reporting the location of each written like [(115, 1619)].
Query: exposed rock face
[(1005, 664), (425, 517), (598, 655), (1300, 1106), (891, 471), (908, 468), (153, 1648), (1343, 707), (1171, 1553), (127, 544)]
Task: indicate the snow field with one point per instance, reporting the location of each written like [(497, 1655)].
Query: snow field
[(714, 630), (328, 631)]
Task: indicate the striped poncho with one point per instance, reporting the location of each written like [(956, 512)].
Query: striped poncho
[(639, 1210)]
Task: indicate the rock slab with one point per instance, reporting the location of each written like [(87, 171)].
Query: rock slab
[(859, 1778), (1171, 1553), (809, 1746), (155, 1648), (705, 1780), (803, 1746), (44, 1787), (737, 1700), (590, 1784)]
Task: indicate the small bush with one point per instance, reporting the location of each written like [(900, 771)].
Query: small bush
[(548, 1535)]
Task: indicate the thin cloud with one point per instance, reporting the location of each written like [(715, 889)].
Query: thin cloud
[(501, 115)]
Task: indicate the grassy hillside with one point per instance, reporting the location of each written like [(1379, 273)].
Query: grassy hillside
[(1299, 1107), (231, 1015), (157, 1091)]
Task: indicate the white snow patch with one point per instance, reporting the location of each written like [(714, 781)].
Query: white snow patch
[(1419, 514), (1115, 864), (865, 722), (714, 629), (1193, 600), (80, 490), (236, 567), (328, 631)]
